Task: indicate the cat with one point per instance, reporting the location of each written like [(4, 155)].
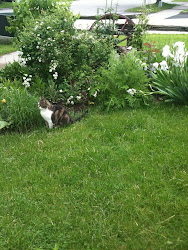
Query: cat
[(56, 115)]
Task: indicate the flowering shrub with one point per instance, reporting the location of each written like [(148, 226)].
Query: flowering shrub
[(54, 51), (123, 82), (24, 10), (170, 77)]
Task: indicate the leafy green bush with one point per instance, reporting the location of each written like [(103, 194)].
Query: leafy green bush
[(55, 51), (24, 10), (170, 77), (123, 82), (18, 108), (13, 71)]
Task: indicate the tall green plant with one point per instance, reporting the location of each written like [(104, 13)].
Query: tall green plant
[(18, 108), (140, 30), (122, 83), (171, 75), (172, 84)]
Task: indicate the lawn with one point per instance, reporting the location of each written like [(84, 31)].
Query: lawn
[(6, 5), (162, 39), (153, 7), (114, 180), (6, 48), (180, 1)]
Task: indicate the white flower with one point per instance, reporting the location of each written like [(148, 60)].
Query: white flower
[(138, 61), (71, 97), (53, 66), (78, 97), (154, 67), (72, 102), (144, 65), (129, 48), (48, 27), (131, 91), (164, 65), (55, 75), (179, 45), (95, 94), (166, 52), (60, 90)]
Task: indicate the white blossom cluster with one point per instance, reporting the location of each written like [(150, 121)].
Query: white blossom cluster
[(177, 55), (84, 35), (70, 100), (143, 64), (131, 91), (26, 80)]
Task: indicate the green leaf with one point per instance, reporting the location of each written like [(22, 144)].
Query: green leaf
[(3, 124)]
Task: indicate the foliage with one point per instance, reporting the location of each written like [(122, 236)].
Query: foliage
[(121, 83), (13, 71), (172, 84), (24, 10), (19, 108), (171, 75), (54, 51), (140, 30)]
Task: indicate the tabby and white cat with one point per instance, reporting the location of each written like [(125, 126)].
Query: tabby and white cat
[(55, 115)]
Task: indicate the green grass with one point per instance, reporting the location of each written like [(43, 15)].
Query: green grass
[(113, 181), (6, 5), (153, 7), (162, 39), (184, 11), (180, 1), (6, 48)]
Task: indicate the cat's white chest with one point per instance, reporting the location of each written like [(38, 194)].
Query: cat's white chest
[(47, 116)]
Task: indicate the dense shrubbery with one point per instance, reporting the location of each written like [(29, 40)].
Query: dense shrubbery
[(24, 10), (123, 82), (77, 67), (53, 50)]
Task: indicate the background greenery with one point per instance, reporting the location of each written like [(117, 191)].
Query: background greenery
[(154, 8)]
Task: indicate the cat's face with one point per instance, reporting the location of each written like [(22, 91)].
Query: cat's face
[(43, 103)]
